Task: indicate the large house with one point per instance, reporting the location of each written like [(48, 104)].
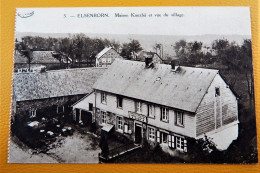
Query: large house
[(106, 57), (51, 92), (166, 104)]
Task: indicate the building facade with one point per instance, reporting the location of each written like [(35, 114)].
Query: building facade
[(106, 57), (164, 104), (51, 92)]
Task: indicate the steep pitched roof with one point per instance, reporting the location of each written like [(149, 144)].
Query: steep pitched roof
[(55, 83), (182, 90), (100, 54), (43, 57)]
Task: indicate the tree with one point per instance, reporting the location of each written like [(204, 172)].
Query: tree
[(25, 51), (130, 49), (247, 65)]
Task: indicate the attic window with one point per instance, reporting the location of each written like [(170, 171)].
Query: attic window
[(217, 92)]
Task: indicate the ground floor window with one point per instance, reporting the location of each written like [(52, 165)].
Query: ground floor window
[(119, 123), (171, 141), (151, 133), (104, 117), (181, 144), (161, 137)]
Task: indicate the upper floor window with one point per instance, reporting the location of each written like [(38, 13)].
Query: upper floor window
[(60, 109), (104, 117), (179, 118), (32, 113), (151, 110), (164, 114), (90, 106), (217, 92), (119, 102), (138, 107), (103, 97)]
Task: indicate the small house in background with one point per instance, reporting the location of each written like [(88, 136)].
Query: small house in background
[(38, 58), (106, 57), (142, 55), (166, 104)]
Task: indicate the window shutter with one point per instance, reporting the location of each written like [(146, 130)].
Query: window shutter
[(158, 136), (169, 140), (173, 142), (185, 146)]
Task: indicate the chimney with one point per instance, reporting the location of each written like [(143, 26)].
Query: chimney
[(173, 64), (148, 61)]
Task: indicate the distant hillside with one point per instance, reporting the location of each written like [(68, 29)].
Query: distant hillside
[(147, 41)]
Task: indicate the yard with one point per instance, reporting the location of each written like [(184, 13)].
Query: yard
[(78, 148)]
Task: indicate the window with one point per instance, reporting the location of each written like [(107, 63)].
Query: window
[(217, 92), (119, 102), (103, 97), (171, 141), (119, 123), (32, 113), (90, 106), (161, 137), (164, 137), (181, 144), (104, 117), (138, 107), (164, 114), (60, 109), (151, 133), (179, 118), (60, 99), (151, 111)]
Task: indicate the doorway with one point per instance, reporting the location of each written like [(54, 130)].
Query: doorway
[(77, 115), (138, 134), (86, 117)]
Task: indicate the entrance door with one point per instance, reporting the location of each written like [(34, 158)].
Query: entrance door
[(86, 117), (138, 134), (77, 115)]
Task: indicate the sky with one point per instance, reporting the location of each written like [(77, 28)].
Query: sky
[(185, 20)]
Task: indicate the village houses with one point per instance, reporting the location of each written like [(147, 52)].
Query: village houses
[(164, 104), (39, 60), (142, 55), (106, 57)]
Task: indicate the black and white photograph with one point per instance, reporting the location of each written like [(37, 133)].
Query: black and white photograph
[(152, 85)]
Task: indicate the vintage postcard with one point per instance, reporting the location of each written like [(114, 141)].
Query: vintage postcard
[(133, 85)]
